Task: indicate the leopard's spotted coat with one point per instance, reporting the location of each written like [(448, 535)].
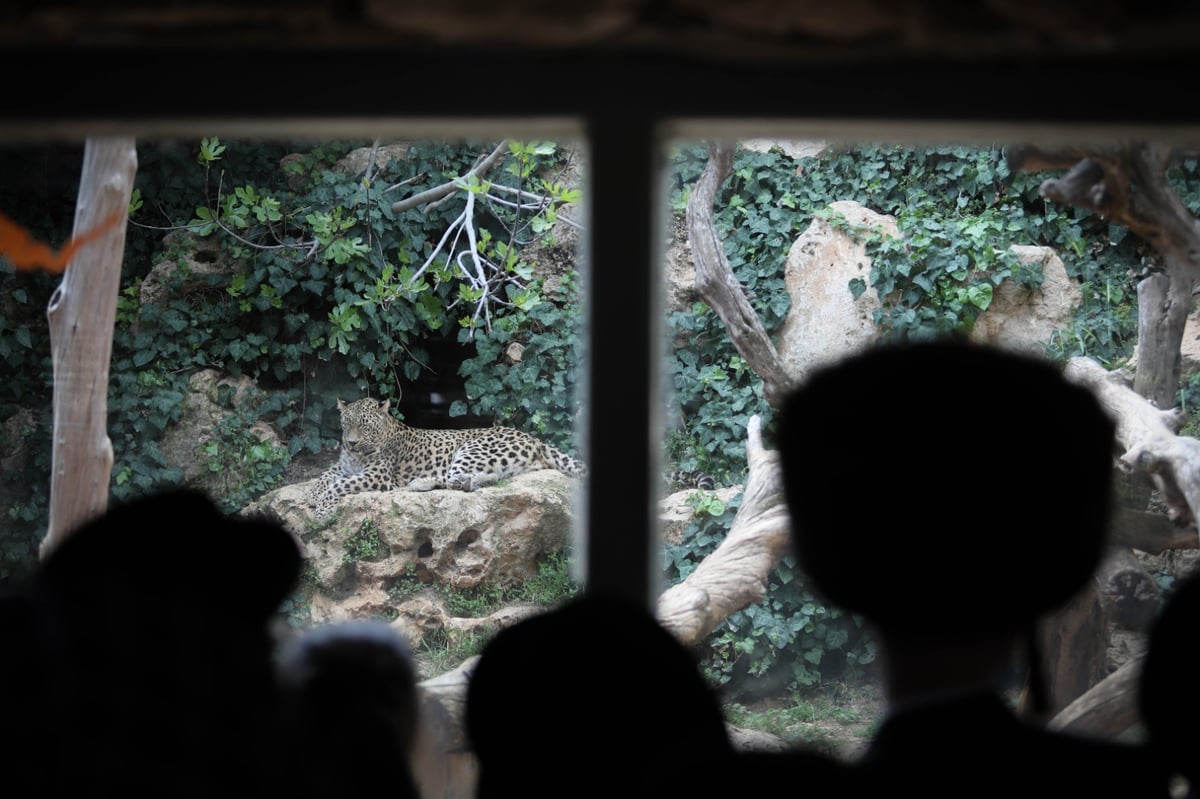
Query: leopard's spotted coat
[(380, 453)]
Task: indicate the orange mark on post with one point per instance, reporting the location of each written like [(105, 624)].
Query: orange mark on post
[(23, 251)]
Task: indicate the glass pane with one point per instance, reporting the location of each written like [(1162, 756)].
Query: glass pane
[(304, 325), (825, 246)]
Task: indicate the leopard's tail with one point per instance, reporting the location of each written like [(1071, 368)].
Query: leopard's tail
[(572, 467), (701, 480)]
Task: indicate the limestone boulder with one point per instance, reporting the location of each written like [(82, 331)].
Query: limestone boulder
[(679, 272), (184, 443), (796, 149), (189, 264), (392, 554), (826, 321), (1024, 319), (675, 511), (382, 547), (357, 162)]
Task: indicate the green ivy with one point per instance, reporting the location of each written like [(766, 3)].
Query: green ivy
[(958, 210), (789, 640), (538, 392), (331, 294)]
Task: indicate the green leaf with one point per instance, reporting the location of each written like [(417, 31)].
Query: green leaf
[(980, 295)]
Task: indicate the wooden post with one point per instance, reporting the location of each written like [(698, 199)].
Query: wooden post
[(81, 314)]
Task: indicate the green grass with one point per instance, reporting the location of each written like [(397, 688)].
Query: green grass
[(441, 651), (828, 718)]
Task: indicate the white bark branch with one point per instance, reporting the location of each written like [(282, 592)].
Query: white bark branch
[(437, 192), (1149, 438), (736, 574)]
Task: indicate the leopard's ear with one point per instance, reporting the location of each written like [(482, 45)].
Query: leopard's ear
[(385, 404), (341, 405)]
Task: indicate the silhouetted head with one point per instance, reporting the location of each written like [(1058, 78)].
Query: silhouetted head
[(355, 676), (592, 699), (1169, 700), (175, 547), (160, 618), (946, 487), (350, 691)]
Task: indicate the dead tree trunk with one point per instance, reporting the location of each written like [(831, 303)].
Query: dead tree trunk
[(1073, 642), (720, 288), (443, 764), (1128, 185), (1163, 305), (81, 314)]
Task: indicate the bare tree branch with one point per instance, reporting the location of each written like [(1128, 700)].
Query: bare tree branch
[(1150, 438), (1127, 184), (437, 192), (717, 284)]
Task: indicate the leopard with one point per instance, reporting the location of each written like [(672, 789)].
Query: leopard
[(689, 480), (381, 453)]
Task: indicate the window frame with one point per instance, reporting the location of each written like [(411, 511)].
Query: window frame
[(628, 105)]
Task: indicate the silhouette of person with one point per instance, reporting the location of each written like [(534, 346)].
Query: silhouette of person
[(951, 494), (1168, 697), (350, 695), (155, 619), (593, 699), (28, 695)]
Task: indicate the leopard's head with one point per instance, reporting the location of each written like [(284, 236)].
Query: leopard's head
[(365, 423)]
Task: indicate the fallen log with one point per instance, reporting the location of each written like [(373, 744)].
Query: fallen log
[(1149, 437), (736, 574)]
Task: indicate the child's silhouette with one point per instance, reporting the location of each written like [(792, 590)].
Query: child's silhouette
[(350, 698), (952, 494), (593, 699), (155, 619)]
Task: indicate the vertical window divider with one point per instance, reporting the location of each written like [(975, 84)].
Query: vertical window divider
[(623, 435)]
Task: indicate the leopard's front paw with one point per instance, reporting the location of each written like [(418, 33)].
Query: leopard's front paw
[(425, 484)]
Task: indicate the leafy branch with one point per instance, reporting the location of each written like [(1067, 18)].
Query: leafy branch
[(493, 273)]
